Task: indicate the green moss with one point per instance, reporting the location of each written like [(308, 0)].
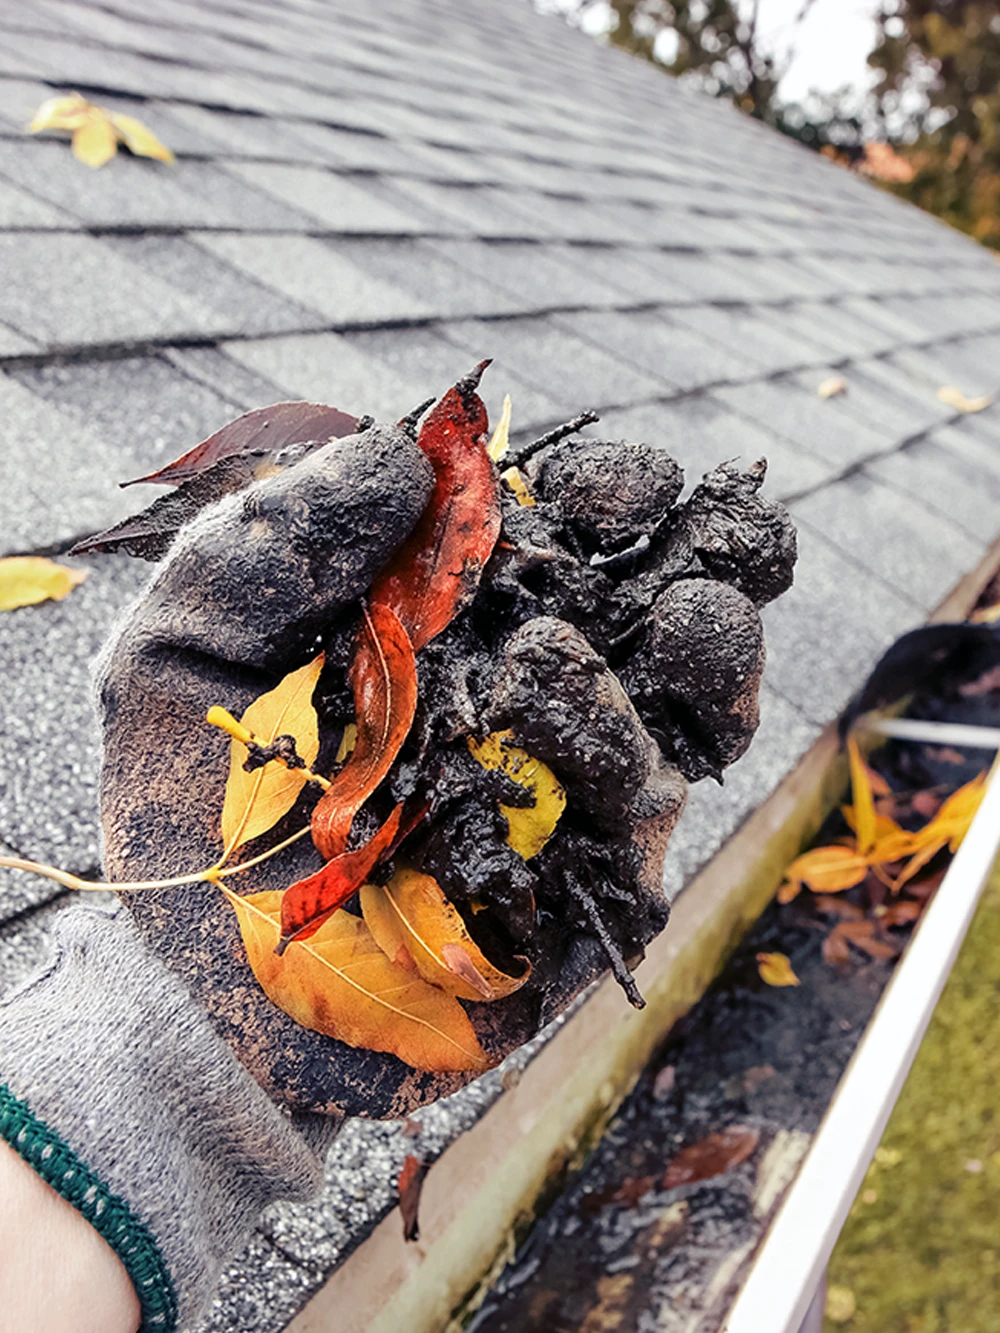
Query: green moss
[(923, 1255)]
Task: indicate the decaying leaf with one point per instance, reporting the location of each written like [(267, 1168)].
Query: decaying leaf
[(529, 828), (863, 935), (341, 983), (418, 928), (500, 441), (264, 432), (410, 1184), (384, 680), (255, 801), (96, 132), (953, 397), (827, 869), (776, 970), (436, 571), (518, 483), (832, 387), (712, 1156), (28, 579), (308, 902), (149, 534)]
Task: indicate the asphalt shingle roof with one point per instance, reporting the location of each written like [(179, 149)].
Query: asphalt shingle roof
[(366, 200)]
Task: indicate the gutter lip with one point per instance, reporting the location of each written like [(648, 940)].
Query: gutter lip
[(791, 1262)]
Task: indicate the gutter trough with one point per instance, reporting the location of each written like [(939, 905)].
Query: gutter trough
[(781, 1290)]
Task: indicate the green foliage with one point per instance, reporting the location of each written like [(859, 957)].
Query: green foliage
[(920, 1250)]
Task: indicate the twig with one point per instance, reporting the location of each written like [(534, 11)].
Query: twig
[(619, 969)]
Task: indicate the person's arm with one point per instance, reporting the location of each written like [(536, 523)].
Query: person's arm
[(56, 1273)]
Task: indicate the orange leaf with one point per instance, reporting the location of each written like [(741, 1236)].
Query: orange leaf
[(864, 804), (789, 891), (862, 935), (341, 983), (839, 907), (902, 913), (416, 926), (828, 869), (384, 679), (776, 970), (436, 572), (835, 948), (712, 1156), (308, 902)]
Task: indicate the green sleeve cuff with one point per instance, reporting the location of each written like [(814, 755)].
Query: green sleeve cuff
[(109, 1215)]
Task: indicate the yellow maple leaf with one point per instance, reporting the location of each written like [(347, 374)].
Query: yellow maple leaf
[(28, 579)]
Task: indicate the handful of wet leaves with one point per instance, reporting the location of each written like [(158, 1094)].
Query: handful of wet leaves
[(465, 688)]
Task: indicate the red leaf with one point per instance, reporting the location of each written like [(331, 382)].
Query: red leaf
[(266, 429), (384, 679), (712, 1156), (411, 1182), (436, 572), (308, 902)]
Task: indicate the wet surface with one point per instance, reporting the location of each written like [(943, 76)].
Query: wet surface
[(618, 1251)]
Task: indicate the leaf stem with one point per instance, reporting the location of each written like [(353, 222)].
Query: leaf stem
[(212, 874)]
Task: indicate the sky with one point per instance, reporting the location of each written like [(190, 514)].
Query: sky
[(831, 46)]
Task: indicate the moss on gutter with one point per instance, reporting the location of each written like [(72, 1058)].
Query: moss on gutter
[(921, 1248)]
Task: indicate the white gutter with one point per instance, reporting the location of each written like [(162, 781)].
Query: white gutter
[(793, 1258)]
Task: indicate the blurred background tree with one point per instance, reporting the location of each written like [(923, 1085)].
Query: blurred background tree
[(928, 129), (938, 98)]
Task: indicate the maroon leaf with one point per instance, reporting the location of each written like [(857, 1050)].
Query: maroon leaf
[(712, 1156), (265, 430), (411, 1182)]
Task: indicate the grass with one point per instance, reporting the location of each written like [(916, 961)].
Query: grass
[(921, 1248)]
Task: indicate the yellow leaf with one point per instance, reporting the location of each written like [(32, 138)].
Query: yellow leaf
[(27, 579), (776, 970), (500, 442), (789, 891), (832, 387), (338, 981), (61, 113), (95, 142), (891, 842), (529, 829), (517, 482), (256, 801), (864, 803), (414, 924), (140, 140), (828, 869), (986, 615), (955, 398)]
